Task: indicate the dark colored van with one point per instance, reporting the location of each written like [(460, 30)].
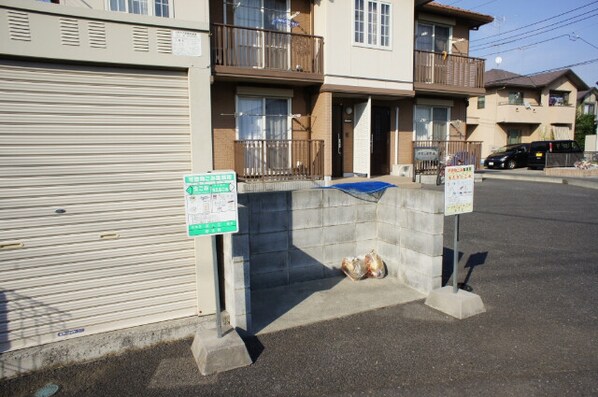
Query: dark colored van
[(538, 150)]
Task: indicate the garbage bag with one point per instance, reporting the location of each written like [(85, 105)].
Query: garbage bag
[(374, 265), (354, 267)]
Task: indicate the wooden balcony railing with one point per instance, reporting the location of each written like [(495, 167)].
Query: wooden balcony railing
[(427, 154), (448, 70), (236, 46), (279, 160)]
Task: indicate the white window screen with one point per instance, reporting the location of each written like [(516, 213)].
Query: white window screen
[(372, 29)]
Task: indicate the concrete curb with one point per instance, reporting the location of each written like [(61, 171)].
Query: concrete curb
[(589, 184)]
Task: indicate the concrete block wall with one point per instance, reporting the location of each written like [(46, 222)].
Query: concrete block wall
[(290, 237)]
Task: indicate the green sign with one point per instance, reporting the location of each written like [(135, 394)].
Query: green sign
[(211, 203)]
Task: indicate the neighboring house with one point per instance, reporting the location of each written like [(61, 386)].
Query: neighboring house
[(586, 102), (101, 114), (521, 109)]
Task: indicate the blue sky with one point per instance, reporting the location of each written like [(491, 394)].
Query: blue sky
[(564, 42)]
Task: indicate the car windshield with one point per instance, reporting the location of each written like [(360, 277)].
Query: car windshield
[(503, 149)]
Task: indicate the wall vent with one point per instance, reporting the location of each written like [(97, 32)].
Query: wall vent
[(140, 39), (97, 34), (164, 41), (69, 32), (18, 25)]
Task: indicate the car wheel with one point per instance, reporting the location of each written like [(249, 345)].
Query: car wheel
[(511, 164)]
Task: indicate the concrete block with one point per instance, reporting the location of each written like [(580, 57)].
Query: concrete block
[(334, 253), (243, 212), (333, 270), (242, 321), (269, 262), (339, 234), (419, 281), (239, 246), (391, 197), (423, 200), (387, 214), (421, 221), (306, 273), (305, 238), (425, 264), (362, 247), (304, 199), (213, 354), (312, 256), (268, 202), (366, 231), (338, 215), (243, 199), (462, 304), (366, 213), (390, 255), (306, 218), (336, 198), (269, 280), (268, 222), (427, 244), (236, 273), (240, 302), (389, 233), (269, 242)]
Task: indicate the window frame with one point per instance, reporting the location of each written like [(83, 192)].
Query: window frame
[(481, 102), (150, 4), (518, 101), (382, 37), (430, 123), (263, 115), (556, 94), (434, 25)]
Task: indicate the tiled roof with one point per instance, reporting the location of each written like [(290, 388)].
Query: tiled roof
[(475, 18), (500, 78)]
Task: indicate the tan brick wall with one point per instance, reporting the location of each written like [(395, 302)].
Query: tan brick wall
[(457, 129), (406, 131), (321, 119), (223, 125)]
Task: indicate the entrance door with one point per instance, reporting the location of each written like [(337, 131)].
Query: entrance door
[(337, 141), (379, 142)]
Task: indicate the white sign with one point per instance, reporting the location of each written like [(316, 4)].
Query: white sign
[(211, 203), (458, 189), (186, 43)]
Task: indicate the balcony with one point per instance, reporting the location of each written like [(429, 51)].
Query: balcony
[(446, 73), (239, 52), (279, 160), (524, 113)]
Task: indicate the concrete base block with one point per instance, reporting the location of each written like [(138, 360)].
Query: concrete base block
[(213, 354), (461, 305)]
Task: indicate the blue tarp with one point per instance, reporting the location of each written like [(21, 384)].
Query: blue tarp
[(362, 187)]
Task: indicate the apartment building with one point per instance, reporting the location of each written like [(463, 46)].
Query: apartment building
[(521, 109), (104, 106)]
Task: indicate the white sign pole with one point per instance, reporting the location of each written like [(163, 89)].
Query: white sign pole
[(458, 199)]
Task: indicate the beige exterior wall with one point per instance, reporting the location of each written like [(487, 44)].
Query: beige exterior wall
[(349, 64), (189, 10), (535, 118)]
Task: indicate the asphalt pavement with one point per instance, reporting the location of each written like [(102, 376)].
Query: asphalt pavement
[(529, 250)]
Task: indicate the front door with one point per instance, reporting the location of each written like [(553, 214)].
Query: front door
[(337, 140), (380, 141)]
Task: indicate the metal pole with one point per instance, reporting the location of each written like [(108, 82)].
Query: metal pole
[(456, 254), (216, 288)]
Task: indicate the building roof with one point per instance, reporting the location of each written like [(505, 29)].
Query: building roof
[(503, 78), (472, 19), (581, 95)]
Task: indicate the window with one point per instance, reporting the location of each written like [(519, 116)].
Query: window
[(481, 102), (558, 98), (262, 118), (159, 8), (431, 123), (372, 23), (589, 108), (432, 38), (513, 136), (515, 98)]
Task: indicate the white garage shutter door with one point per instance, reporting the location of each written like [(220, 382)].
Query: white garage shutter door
[(92, 217)]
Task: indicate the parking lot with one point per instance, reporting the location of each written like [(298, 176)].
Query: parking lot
[(529, 250)]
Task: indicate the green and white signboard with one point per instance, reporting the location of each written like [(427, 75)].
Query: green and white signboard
[(211, 203)]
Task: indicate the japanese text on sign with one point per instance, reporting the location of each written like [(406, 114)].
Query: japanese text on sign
[(211, 203), (458, 189)]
